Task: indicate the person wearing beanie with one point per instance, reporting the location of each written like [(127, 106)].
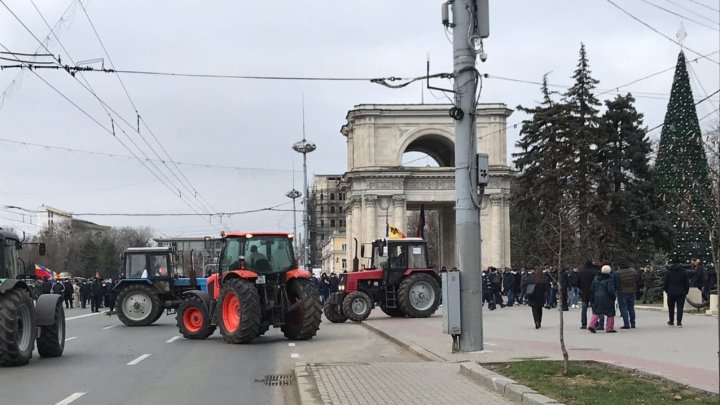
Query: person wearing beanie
[(603, 300)]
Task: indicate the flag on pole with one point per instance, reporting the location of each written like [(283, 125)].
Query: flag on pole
[(421, 225), (43, 272)]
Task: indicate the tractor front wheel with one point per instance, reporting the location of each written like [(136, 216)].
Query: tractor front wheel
[(51, 341), (419, 295), (303, 321), (17, 328), (357, 306), (240, 313), (138, 305), (193, 320), (334, 313)]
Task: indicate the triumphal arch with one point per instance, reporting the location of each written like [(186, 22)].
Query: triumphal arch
[(380, 190)]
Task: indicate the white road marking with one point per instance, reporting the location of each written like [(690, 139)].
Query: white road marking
[(84, 316), (71, 398), (490, 344), (291, 344), (69, 339), (139, 359), (294, 355), (109, 327), (172, 339)]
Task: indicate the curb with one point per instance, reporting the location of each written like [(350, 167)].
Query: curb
[(504, 386), (415, 349), (305, 388), (650, 374)]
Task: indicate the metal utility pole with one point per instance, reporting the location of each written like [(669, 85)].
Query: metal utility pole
[(469, 26), (305, 147)]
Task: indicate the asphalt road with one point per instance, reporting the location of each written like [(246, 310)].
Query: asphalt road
[(107, 363)]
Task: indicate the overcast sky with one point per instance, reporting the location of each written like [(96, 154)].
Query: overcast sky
[(251, 125)]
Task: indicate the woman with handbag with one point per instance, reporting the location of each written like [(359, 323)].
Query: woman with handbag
[(535, 295)]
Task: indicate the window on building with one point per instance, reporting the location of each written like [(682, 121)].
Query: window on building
[(340, 209), (332, 196), (332, 209), (344, 264), (322, 209), (332, 223), (322, 237), (322, 196), (342, 222), (344, 247), (322, 223)]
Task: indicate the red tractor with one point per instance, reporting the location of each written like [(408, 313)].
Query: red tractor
[(257, 285), (398, 280)]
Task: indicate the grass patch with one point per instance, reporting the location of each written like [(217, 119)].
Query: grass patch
[(592, 383)]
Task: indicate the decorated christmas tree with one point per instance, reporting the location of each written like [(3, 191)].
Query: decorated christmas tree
[(682, 172)]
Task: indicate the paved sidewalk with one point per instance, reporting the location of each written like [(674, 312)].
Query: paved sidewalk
[(687, 355), (398, 383)]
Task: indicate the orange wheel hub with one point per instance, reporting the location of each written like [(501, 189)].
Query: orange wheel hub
[(231, 312), (193, 320)]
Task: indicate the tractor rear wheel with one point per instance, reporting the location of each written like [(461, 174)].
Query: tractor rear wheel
[(138, 305), (357, 306), (334, 313), (17, 328), (51, 341), (193, 320), (419, 295), (240, 313), (303, 321), (393, 312)]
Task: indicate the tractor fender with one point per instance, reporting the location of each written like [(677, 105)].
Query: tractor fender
[(204, 296), (126, 282), (45, 309), (297, 273), (11, 283)]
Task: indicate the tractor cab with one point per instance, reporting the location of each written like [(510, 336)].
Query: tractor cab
[(270, 256), (9, 246), (149, 263), (396, 256)]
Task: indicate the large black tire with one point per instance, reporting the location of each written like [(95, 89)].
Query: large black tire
[(138, 305), (334, 313), (393, 312), (51, 341), (419, 295), (240, 314), (357, 306), (17, 328), (193, 319), (303, 322), (159, 315)]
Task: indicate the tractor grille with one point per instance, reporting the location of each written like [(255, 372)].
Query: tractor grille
[(274, 380)]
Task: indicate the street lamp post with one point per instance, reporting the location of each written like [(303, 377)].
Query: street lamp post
[(294, 194), (305, 147)]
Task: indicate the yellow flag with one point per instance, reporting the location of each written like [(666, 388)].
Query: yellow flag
[(394, 233)]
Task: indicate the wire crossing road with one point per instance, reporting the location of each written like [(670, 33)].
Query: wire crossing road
[(106, 362)]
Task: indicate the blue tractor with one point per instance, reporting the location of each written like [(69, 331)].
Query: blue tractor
[(152, 282)]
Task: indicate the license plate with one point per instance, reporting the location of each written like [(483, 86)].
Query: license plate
[(260, 280)]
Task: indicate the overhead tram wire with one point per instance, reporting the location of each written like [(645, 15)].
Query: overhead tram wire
[(658, 32), (115, 155), (108, 130), (187, 185), (106, 107), (686, 18), (694, 12), (706, 6)]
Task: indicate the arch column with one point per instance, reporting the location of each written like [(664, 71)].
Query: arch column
[(349, 231), (399, 212), (497, 231), (370, 218)]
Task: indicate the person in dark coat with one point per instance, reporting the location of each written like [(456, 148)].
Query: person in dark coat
[(676, 285), (603, 300), (39, 287), (586, 275), (515, 287), (324, 286), (84, 293), (334, 283), (487, 290), (711, 283), (68, 293), (495, 287), (564, 288), (574, 288), (628, 280), (536, 298), (96, 294), (524, 281)]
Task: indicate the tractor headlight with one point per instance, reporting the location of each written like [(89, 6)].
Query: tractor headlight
[(341, 288)]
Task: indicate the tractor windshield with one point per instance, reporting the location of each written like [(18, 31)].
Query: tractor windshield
[(144, 265), (262, 254), (9, 263)]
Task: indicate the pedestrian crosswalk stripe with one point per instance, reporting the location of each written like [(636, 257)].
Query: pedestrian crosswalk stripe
[(71, 398), (139, 359), (172, 339)]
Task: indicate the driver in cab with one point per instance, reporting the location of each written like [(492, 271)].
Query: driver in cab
[(254, 257)]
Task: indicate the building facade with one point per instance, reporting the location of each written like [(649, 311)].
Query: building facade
[(334, 252), (49, 218), (326, 208)]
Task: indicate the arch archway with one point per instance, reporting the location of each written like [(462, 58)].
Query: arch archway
[(435, 143)]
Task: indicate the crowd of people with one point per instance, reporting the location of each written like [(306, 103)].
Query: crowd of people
[(78, 293), (599, 286), (326, 284)]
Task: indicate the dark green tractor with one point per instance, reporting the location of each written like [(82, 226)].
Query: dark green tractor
[(23, 321)]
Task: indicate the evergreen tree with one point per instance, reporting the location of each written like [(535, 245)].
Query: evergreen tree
[(682, 172), (632, 226), (587, 177), (539, 188)]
